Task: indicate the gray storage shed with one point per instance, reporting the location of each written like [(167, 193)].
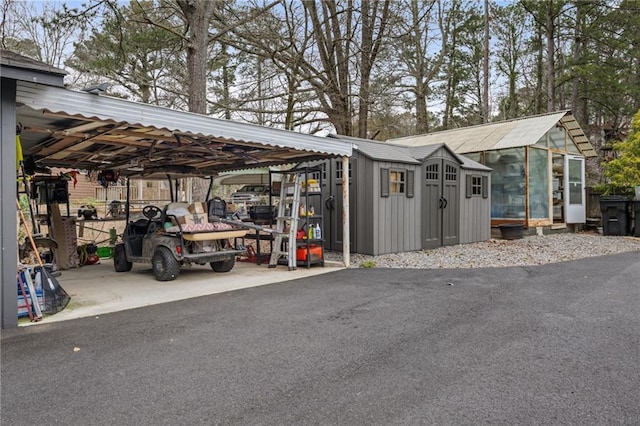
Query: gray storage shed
[(405, 199)]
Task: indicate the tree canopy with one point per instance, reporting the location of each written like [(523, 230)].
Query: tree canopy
[(373, 69), (623, 171)]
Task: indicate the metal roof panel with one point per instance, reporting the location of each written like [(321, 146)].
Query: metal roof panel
[(104, 108), (501, 135)]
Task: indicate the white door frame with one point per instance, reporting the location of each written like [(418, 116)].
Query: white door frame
[(574, 191)]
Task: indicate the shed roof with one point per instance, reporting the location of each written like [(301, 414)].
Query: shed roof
[(424, 152), (383, 151), (380, 151), (16, 60), (72, 129), (18, 67), (504, 134)]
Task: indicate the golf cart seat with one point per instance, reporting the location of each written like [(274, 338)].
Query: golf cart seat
[(139, 227)]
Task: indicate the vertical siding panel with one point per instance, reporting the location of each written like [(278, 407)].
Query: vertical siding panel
[(378, 230), (413, 222), (366, 204), (475, 217), (395, 216)]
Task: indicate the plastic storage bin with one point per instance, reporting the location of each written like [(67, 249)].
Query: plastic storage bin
[(315, 253)]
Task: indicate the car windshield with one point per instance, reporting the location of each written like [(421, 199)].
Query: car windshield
[(252, 189)]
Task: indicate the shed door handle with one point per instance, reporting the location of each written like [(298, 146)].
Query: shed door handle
[(329, 203)]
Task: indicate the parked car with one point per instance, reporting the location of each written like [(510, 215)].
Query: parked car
[(255, 194)]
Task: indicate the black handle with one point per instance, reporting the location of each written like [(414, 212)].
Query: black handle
[(445, 202), (329, 203)]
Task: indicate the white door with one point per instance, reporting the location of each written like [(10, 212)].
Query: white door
[(574, 195)]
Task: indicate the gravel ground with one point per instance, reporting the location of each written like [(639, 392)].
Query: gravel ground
[(530, 250)]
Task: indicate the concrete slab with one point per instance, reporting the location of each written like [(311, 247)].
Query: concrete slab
[(98, 289)]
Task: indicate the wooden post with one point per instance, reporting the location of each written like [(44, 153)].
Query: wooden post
[(346, 243)]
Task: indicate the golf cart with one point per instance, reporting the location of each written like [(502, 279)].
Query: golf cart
[(178, 234)]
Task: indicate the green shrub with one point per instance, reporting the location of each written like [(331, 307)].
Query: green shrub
[(368, 264), (623, 172)]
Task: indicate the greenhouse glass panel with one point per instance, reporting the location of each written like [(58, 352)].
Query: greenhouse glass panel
[(557, 138), (542, 142), (507, 183), (538, 184), (571, 147), (475, 156)]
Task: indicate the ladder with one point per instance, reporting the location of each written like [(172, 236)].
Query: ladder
[(23, 182), (287, 220)]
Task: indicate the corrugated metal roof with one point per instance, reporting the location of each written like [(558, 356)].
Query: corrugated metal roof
[(501, 135), (104, 108)]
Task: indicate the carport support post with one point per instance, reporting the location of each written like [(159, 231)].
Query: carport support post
[(8, 216), (346, 243)]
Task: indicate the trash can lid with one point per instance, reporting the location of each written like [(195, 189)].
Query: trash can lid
[(614, 198)]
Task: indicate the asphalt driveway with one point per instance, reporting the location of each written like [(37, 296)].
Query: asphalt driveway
[(556, 344)]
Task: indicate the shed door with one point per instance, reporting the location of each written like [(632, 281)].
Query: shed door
[(440, 208), (574, 189)]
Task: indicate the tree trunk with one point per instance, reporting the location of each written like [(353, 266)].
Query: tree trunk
[(422, 116), (226, 82), (370, 45), (366, 44), (334, 46), (539, 72), (485, 66), (579, 103), (198, 16), (551, 69)]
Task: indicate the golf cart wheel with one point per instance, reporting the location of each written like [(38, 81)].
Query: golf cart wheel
[(120, 259), (165, 266), (223, 265)]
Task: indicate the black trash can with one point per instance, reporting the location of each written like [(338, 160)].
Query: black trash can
[(615, 215), (636, 222)]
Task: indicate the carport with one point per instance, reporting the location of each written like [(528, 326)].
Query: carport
[(89, 131)]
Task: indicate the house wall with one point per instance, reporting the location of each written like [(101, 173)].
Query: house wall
[(84, 189), (8, 216)]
